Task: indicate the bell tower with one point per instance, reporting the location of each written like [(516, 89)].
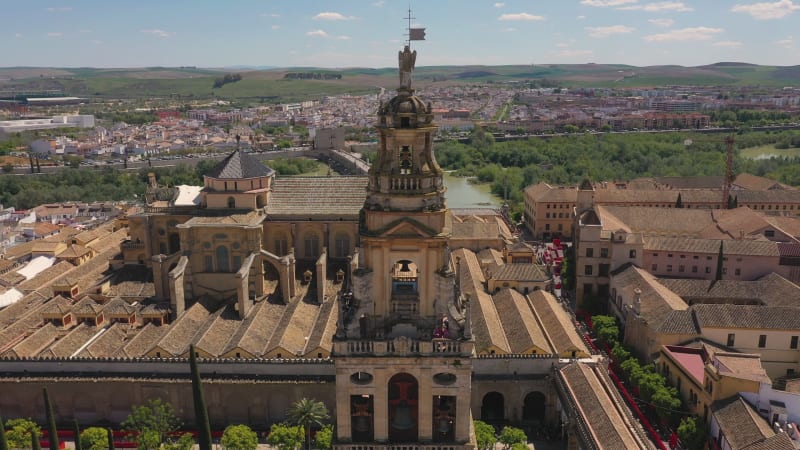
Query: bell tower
[(403, 347)]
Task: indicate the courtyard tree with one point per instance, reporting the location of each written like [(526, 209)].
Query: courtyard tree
[(484, 435), (239, 437), (200, 410), (76, 431), (509, 436), (3, 441), (692, 433), (307, 413), (94, 438), (153, 421), (19, 432), (324, 438), (52, 431), (286, 437)]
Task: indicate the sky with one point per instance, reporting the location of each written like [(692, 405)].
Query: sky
[(368, 33)]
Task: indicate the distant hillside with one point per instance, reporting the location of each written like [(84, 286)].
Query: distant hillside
[(281, 84)]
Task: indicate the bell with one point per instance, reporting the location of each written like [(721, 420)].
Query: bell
[(404, 267), (361, 424), (444, 426), (402, 417)]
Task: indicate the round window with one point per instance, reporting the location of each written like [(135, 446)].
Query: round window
[(361, 378)]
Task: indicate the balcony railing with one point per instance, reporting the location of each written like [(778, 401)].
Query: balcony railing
[(402, 346)]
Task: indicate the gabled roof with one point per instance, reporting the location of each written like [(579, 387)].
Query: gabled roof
[(746, 316), (239, 165), (742, 426)]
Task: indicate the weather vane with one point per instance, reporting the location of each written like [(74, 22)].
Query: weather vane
[(414, 34)]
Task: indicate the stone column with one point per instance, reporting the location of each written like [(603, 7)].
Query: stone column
[(342, 407), (381, 406), (425, 413)]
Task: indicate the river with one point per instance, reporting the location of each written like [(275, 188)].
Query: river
[(463, 194)]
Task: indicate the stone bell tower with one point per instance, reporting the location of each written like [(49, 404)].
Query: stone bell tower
[(403, 347)]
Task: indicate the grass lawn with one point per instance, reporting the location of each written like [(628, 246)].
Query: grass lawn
[(768, 151)]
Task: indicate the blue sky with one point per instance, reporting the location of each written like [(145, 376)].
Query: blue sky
[(367, 33)]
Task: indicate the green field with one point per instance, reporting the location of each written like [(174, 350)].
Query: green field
[(270, 85), (768, 151)]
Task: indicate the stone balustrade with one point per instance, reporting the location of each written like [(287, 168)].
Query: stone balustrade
[(403, 346), (408, 446)]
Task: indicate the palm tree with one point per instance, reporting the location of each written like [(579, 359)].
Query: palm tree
[(307, 412)]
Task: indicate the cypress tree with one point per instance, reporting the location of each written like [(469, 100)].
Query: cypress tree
[(110, 439), (35, 445), (719, 263), (77, 430), (679, 202), (52, 431), (3, 441), (200, 411)]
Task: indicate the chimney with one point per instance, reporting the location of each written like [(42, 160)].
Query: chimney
[(637, 301)]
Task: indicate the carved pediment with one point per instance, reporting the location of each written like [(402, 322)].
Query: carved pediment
[(405, 227)]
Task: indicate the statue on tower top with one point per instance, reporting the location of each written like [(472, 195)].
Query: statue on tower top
[(407, 59)]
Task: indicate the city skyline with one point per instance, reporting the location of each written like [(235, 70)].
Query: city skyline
[(89, 33)]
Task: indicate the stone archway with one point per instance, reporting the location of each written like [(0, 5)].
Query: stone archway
[(533, 407), (493, 407), (403, 408)]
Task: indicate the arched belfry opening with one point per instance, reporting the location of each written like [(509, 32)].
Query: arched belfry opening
[(405, 289), (403, 408)]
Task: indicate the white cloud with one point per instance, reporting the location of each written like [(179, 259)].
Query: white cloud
[(581, 17), (379, 3), (787, 43), (332, 16), (499, 5), (158, 33), (270, 15), (520, 16), (601, 32), (508, 30), (317, 33), (729, 44), (766, 11), (685, 34), (276, 27), (54, 34), (60, 9), (562, 45), (658, 7), (604, 3), (343, 38), (666, 23)]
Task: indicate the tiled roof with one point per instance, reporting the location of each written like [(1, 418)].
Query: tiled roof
[(772, 290), (746, 316), (557, 324), (600, 413), (487, 327), (519, 272), (522, 330), (710, 246), (740, 423), (655, 221), (678, 322), (317, 196), (657, 302), (239, 165)]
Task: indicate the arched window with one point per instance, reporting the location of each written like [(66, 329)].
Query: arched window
[(231, 202), (281, 244), (223, 264)]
